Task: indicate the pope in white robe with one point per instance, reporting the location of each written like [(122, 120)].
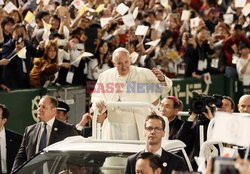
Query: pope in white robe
[(127, 83)]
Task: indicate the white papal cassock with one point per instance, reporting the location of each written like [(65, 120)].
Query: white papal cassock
[(140, 85)]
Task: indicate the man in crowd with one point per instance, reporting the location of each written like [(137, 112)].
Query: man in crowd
[(127, 83), (16, 73), (227, 105), (244, 104), (154, 132), (62, 111), (193, 131), (62, 115), (9, 142), (149, 163), (170, 106), (46, 132)]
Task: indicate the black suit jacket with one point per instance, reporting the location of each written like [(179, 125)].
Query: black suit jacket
[(12, 74), (60, 131), (170, 162), (189, 134), (174, 127), (13, 142)]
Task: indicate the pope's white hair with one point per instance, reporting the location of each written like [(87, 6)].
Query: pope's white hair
[(118, 51)]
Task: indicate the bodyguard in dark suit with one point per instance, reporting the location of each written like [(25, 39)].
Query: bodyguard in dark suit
[(11, 141), (170, 106), (154, 132), (35, 138)]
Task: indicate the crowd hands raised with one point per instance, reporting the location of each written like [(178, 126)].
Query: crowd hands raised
[(70, 42)]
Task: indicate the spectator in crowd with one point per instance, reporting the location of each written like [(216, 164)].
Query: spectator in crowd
[(124, 73), (197, 53), (16, 16), (170, 106), (101, 62), (228, 105), (44, 68), (243, 63), (46, 132), (6, 29), (230, 47), (20, 52), (147, 162), (154, 132), (242, 165), (191, 129), (9, 142), (78, 68), (36, 33), (244, 104), (168, 56)]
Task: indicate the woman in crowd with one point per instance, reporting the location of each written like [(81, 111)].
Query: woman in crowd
[(168, 57), (101, 61), (243, 63), (44, 68)]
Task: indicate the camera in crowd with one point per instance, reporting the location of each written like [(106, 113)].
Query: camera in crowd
[(19, 38), (199, 102), (223, 165)]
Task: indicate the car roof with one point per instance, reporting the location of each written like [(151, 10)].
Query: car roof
[(79, 143)]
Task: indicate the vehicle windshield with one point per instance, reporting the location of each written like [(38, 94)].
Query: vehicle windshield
[(76, 163)]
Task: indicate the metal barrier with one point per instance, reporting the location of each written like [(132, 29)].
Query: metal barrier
[(96, 126)]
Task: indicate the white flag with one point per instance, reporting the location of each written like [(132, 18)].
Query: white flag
[(153, 43), (232, 129), (122, 9), (9, 7), (22, 53), (135, 12), (128, 20), (78, 4), (141, 30)]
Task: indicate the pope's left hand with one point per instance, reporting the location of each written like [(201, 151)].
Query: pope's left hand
[(160, 76)]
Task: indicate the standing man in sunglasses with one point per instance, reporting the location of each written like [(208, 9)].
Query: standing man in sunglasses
[(154, 132)]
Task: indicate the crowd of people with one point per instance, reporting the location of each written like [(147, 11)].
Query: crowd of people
[(44, 43)]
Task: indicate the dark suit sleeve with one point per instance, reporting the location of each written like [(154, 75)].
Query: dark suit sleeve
[(8, 49), (186, 132), (180, 164), (21, 156), (174, 162), (13, 142), (130, 167), (34, 52), (74, 131)]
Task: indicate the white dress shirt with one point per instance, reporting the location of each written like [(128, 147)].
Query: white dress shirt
[(158, 152), (3, 151), (49, 128)]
